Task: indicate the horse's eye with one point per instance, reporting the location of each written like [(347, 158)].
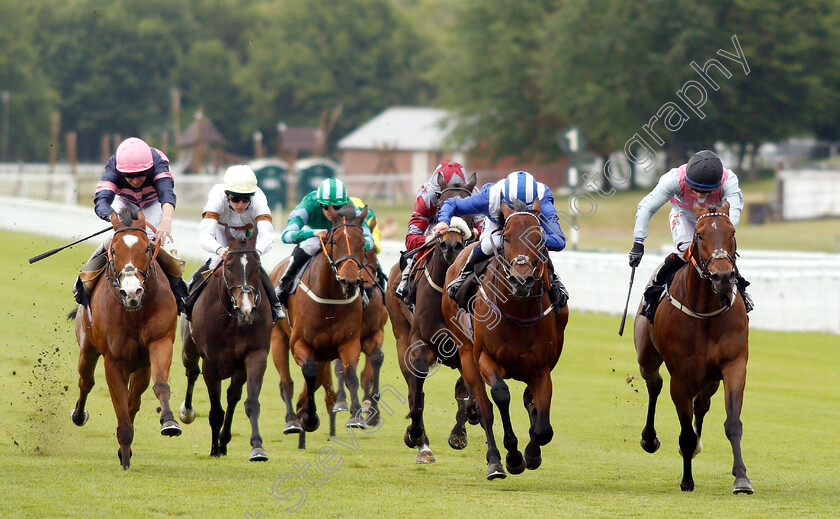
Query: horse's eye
[(699, 236)]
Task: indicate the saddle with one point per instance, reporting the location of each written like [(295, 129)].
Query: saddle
[(299, 276)]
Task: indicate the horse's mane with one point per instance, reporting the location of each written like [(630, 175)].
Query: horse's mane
[(128, 214), (518, 205), (347, 211)]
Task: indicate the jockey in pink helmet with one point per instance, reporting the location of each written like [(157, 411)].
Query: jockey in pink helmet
[(137, 175)]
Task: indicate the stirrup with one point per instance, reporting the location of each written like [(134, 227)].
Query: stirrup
[(453, 287), (277, 312)]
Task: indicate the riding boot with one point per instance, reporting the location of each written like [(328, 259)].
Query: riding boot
[(83, 288), (463, 286), (381, 279), (296, 262), (742, 288), (179, 289), (653, 293), (365, 297), (406, 274), (196, 285), (557, 292), (277, 313)]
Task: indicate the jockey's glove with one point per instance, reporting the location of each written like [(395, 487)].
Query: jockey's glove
[(636, 253)]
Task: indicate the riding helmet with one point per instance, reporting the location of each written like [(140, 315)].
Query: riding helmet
[(453, 173), (520, 185), (134, 156), (704, 171), (332, 192), (240, 179)]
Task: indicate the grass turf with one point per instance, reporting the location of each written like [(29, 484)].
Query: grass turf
[(594, 466)]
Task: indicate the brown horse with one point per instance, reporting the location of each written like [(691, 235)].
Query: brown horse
[(516, 334), (230, 329), (423, 337), (132, 324), (374, 317), (325, 320), (701, 333)]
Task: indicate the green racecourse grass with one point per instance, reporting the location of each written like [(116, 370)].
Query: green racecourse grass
[(594, 467)]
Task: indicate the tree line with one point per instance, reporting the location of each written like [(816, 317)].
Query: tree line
[(675, 75)]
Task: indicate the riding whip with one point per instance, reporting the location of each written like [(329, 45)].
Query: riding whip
[(627, 304), (47, 254)]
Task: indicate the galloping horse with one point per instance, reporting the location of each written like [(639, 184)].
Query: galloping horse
[(423, 339), (516, 334), (701, 333), (230, 330), (325, 320), (132, 324)]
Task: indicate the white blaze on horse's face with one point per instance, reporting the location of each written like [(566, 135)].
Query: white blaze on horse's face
[(130, 240), (247, 305)]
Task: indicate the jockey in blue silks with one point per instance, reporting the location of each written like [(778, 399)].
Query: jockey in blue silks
[(519, 185)]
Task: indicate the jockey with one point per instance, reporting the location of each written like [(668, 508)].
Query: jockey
[(370, 220), (137, 175), (703, 180), (425, 211), (519, 185), (236, 203), (306, 226)]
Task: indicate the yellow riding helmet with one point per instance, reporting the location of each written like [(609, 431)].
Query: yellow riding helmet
[(240, 179)]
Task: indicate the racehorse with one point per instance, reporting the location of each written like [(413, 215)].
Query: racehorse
[(324, 320), (516, 334), (374, 317), (230, 330), (423, 337), (131, 323), (702, 335)]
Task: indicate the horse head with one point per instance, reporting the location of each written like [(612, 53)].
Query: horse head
[(453, 242), (130, 257), (344, 246), (241, 275), (713, 249), (521, 257)]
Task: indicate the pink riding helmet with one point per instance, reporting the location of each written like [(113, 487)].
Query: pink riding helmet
[(134, 156)]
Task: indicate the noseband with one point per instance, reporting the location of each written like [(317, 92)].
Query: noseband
[(334, 264), (115, 278), (244, 289)]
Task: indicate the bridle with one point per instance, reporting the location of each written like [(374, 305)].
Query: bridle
[(338, 265), (701, 265), (115, 278), (537, 266), (244, 288)]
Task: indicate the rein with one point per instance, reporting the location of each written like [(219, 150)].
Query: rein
[(244, 289), (114, 277), (334, 265)]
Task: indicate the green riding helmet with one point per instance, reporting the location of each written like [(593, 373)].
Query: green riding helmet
[(332, 192)]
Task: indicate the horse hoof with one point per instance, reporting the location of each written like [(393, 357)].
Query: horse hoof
[(187, 415), (85, 416), (340, 405), (687, 486), (457, 441), (170, 428), (258, 454), (425, 456), (650, 446), (310, 424), (355, 423), (292, 427), (532, 462), (514, 463), (742, 486), (119, 455), (495, 471)]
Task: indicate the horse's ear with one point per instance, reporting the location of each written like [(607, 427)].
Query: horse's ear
[(724, 207), (697, 209), (139, 217), (361, 218), (471, 184), (115, 219), (252, 231), (506, 210), (441, 181), (228, 234), (535, 207)]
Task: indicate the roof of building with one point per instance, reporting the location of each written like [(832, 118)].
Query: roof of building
[(200, 130), (402, 128), (300, 138)]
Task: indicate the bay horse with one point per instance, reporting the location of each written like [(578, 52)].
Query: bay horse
[(516, 334), (324, 320), (701, 333), (131, 323), (423, 338), (230, 330)]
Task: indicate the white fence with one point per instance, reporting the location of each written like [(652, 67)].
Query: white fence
[(793, 291), (809, 193)]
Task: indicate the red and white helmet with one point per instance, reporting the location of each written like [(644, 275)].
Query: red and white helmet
[(134, 156), (453, 173)]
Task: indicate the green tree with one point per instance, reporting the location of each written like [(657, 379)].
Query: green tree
[(30, 98)]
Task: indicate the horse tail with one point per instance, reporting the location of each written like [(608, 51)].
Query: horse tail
[(72, 315)]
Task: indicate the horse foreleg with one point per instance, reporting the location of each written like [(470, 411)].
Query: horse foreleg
[(702, 403), (280, 356), (88, 357), (734, 380), (370, 377), (539, 411), (649, 363), (160, 357), (418, 363), (234, 394), (325, 381), (683, 402), (485, 412), (309, 418), (340, 396), (458, 436), (189, 358), (349, 356), (217, 414), (255, 368), (117, 377), (137, 384), (514, 462)]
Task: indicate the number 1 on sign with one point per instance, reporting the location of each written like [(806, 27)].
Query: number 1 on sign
[(572, 135)]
